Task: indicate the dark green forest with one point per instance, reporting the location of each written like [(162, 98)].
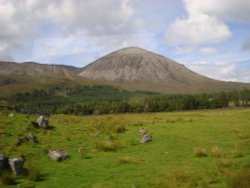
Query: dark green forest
[(87, 100)]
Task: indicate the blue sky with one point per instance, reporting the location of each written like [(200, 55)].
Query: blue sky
[(211, 37)]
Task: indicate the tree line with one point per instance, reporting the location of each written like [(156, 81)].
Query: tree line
[(87, 100)]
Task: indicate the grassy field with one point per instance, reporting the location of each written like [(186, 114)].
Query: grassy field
[(209, 148)]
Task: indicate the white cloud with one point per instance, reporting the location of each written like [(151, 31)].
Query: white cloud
[(187, 50), (205, 21), (236, 10), (197, 29), (24, 21), (208, 51), (222, 70)]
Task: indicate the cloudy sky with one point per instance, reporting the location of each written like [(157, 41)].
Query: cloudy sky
[(211, 37)]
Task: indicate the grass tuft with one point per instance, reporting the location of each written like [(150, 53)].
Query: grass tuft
[(216, 151), (111, 145), (200, 152)]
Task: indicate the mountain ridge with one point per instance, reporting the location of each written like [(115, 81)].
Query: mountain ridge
[(34, 69), (129, 68)]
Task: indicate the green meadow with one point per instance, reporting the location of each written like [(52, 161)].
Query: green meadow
[(209, 148)]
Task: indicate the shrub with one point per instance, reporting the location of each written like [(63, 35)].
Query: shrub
[(200, 152)]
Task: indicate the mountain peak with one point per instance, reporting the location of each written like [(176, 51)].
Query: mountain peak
[(134, 64), (131, 50)]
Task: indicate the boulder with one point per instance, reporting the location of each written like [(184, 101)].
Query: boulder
[(58, 155), (31, 138), (43, 121), (146, 138), (16, 165), (143, 130)]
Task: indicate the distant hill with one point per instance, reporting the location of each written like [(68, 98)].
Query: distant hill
[(36, 70), (139, 69)]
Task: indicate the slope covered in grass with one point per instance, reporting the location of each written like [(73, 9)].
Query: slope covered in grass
[(189, 149)]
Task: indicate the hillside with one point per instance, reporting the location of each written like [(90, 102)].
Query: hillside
[(36, 70), (138, 69)]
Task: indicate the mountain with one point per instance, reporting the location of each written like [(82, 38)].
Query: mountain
[(36, 70), (129, 69), (138, 69), (25, 77)]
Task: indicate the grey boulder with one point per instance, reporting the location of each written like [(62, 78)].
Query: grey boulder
[(42, 122), (58, 155), (146, 138), (16, 165)]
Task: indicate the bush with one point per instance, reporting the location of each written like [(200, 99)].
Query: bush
[(200, 152)]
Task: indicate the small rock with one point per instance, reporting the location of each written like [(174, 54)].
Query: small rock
[(31, 138), (143, 130), (58, 155), (16, 165), (146, 138)]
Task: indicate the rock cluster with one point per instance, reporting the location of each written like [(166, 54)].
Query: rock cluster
[(58, 155), (146, 137)]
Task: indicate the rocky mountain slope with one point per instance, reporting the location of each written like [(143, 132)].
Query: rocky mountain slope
[(138, 69)]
